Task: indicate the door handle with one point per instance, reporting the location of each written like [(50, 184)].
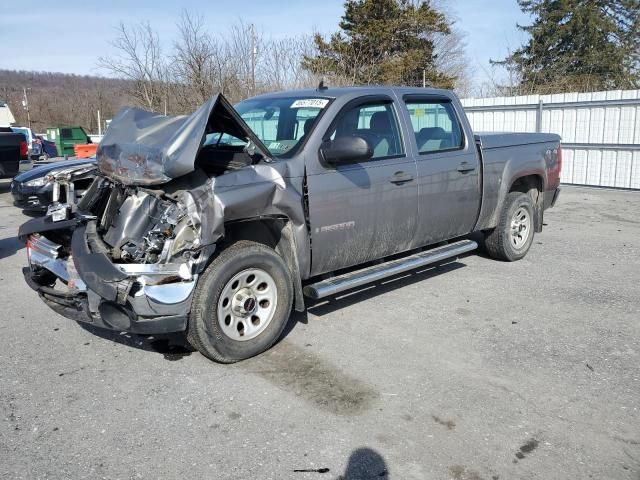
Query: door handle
[(464, 167), (400, 178)]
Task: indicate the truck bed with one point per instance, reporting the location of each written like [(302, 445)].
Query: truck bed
[(490, 140), (506, 156)]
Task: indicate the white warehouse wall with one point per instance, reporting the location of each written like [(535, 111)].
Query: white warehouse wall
[(600, 130)]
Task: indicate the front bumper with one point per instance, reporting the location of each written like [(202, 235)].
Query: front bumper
[(91, 288), (31, 198)]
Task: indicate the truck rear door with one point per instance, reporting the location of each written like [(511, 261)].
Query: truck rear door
[(366, 210), (449, 188)]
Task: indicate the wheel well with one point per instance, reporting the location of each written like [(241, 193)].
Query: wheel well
[(527, 184), (265, 231), (531, 185), (275, 233)]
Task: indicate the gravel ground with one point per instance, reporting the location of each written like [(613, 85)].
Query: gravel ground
[(476, 370)]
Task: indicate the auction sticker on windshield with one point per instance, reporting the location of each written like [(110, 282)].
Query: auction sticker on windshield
[(310, 103)]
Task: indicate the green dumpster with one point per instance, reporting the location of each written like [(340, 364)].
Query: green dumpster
[(66, 137)]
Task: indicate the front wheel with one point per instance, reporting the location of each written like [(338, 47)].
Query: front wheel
[(513, 236), (241, 304)]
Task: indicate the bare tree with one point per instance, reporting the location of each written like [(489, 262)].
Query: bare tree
[(245, 46), (139, 59), (450, 51), (451, 59), (280, 64), (192, 69)]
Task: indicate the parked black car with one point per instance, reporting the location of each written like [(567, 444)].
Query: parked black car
[(33, 190)]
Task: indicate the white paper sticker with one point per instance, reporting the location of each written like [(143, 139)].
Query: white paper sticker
[(310, 103)]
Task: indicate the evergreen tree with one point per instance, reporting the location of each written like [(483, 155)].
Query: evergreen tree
[(583, 45), (383, 42)]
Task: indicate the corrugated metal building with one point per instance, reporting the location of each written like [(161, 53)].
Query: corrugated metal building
[(600, 130)]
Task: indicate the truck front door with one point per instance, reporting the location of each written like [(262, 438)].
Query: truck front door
[(366, 210)]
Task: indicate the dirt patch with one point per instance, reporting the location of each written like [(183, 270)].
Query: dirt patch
[(527, 448), (309, 376), (450, 424), (458, 472)]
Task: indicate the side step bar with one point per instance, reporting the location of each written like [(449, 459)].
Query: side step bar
[(334, 285)]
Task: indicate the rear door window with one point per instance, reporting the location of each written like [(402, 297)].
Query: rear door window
[(435, 126)]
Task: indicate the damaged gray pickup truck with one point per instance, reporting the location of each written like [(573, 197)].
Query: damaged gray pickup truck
[(219, 223)]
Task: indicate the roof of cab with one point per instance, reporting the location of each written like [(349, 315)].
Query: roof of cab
[(337, 92)]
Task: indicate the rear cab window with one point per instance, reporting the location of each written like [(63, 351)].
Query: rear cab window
[(435, 125)]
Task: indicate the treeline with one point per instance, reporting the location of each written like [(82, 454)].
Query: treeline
[(574, 45), (242, 62), (62, 99)]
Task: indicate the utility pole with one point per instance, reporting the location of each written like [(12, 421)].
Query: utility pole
[(254, 51), (99, 124), (424, 78), (25, 105)]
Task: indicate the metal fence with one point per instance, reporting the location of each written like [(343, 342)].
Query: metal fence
[(600, 131)]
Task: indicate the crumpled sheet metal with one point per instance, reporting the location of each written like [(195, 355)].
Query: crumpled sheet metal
[(145, 148), (262, 190)]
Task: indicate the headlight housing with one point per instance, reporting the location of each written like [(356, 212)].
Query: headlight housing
[(37, 182)]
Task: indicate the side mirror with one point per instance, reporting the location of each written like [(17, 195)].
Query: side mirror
[(347, 149)]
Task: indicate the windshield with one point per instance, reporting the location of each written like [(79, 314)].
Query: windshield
[(281, 124)]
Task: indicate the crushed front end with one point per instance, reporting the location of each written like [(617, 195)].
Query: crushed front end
[(127, 260), (127, 255)]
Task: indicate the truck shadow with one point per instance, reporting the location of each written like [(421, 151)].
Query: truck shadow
[(331, 304), (9, 246), (172, 346), (175, 346)]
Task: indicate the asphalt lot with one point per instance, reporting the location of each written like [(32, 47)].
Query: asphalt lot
[(476, 370)]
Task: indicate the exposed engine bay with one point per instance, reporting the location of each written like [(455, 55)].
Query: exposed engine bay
[(141, 225)]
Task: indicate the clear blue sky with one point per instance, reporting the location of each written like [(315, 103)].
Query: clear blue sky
[(69, 35)]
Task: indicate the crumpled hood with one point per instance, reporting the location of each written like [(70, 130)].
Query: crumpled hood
[(146, 148)]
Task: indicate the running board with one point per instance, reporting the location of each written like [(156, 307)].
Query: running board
[(334, 285)]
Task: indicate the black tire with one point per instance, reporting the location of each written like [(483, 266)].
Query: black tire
[(499, 242), (205, 332)]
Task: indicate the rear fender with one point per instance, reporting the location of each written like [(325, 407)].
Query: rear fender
[(512, 180)]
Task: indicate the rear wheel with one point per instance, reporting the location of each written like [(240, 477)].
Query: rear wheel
[(241, 304), (512, 237)]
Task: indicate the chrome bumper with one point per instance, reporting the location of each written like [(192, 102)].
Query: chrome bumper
[(151, 298), (43, 253)]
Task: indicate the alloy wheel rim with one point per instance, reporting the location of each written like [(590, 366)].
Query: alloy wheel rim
[(247, 304)]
